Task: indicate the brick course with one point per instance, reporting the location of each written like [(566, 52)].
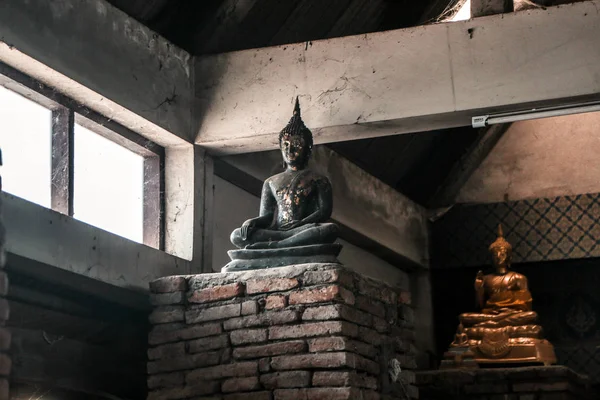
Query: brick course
[(289, 379), (268, 285), (271, 349), (274, 302), (314, 332), (216, 293), (248, 336)]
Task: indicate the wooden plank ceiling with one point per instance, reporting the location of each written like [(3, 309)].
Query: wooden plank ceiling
[(414, 164)]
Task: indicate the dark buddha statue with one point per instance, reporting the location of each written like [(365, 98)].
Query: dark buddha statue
[(505, 331), (295, 206)]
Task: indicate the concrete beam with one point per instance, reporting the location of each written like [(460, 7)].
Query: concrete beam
[(361, 202), (400, 81), (44, 235), (96, 54)]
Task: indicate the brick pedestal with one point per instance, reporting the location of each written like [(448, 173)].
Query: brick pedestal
[(528, 383), (301, 332)]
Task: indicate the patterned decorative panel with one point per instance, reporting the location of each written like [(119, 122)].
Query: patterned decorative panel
[(547, 229)]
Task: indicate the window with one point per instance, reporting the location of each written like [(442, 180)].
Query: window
[(108, 188), (25, 137), (463, 13), (63, 156)]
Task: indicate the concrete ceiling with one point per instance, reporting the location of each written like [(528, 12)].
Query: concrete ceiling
[(540, 158), (414, 164), (218, 26)]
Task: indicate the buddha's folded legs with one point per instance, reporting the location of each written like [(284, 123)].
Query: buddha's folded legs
[(524, 331), (260, 235), (507, 318), (470, 319), (301, 236)]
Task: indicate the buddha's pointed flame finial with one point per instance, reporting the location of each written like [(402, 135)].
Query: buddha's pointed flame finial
[(297, 107), (500, 241), (296, 126)]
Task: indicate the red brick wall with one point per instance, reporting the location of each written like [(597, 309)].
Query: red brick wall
[(302, 332)]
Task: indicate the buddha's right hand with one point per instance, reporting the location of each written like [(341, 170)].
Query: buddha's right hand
[(247, 229)]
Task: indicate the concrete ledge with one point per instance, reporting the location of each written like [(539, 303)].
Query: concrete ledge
[(63, 242)]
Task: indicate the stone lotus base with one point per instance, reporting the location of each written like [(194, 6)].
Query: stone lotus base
[(519, 352), (246, 259), (525, 383), (312, 331)]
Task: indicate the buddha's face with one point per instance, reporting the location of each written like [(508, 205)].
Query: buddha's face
[(294, 150), (501, 256)]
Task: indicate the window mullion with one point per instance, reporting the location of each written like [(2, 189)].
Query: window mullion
[(152, 202), (62, 161)]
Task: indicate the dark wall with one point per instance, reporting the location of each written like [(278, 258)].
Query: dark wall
[(68, 343)]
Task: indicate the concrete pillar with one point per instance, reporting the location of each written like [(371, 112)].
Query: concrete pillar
[(188, 206)]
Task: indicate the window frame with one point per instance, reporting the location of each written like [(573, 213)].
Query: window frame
[(66, 112)]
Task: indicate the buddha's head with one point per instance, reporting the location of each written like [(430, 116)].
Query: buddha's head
[(296, 141), (501, 251)]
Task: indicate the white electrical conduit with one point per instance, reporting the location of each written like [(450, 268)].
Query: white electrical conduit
[(535, 113)]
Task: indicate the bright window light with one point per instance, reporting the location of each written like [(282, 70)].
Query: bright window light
[(108, 185), (25, 140), (464, 13)]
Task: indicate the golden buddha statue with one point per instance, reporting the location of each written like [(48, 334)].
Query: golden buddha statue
[(505, 331)]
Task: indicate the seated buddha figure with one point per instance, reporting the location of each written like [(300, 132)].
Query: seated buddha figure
[(506, 329), (292, 226)]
